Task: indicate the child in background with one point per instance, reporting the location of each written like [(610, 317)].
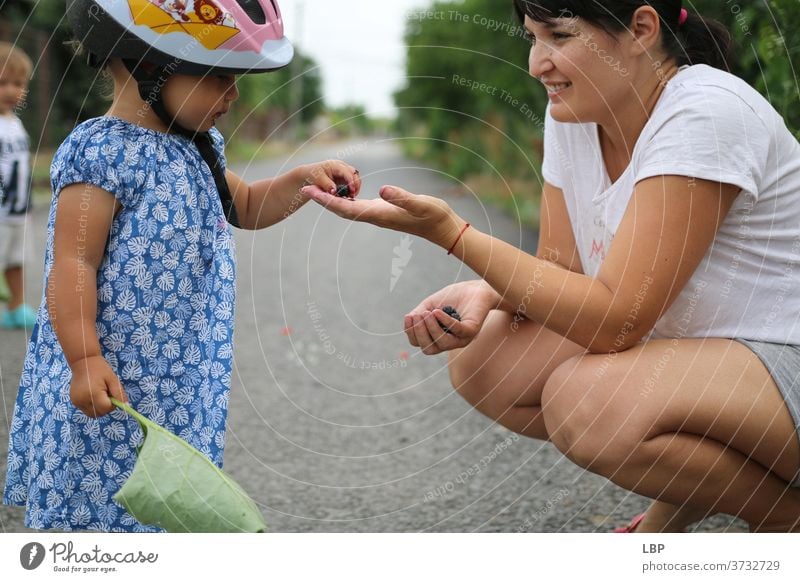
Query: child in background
[(15, 193), (140, 271)]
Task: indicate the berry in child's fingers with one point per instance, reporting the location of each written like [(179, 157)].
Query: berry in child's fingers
[(343, 191), (451, 311)]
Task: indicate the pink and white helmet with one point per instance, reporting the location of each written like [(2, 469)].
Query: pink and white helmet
[(192, 37)]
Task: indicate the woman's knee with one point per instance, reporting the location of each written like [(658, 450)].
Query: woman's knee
[(473, 376), (503, 366), (587, 416), (473, 370)]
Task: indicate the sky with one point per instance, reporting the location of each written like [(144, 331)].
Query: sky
[(359, 45)]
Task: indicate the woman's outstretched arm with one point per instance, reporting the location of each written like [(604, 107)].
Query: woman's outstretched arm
[(667, 229)]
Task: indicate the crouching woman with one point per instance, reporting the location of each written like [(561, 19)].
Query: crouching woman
[(654, 338)]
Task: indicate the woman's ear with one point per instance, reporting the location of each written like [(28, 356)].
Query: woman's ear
[(645, 29)]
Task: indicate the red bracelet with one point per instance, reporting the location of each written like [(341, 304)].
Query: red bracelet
[(460, 234)]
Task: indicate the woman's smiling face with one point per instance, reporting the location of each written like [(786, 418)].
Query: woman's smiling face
[(582, 67)]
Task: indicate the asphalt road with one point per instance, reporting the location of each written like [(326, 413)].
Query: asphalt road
[(336, 423)]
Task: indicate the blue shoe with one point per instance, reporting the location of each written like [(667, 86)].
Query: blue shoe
[(9, 321), (20, 318)]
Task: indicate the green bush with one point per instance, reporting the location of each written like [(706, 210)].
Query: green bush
[(468, 86)]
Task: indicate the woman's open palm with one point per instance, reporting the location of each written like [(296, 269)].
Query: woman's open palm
[(425, 216)]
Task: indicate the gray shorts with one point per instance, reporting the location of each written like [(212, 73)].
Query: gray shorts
[(783, 363), (12, 245)]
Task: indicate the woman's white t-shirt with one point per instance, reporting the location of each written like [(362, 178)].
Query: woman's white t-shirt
[(710, 125)]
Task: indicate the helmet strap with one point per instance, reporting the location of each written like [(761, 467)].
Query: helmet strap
[(150, 84), (150, 80), (205, 146)]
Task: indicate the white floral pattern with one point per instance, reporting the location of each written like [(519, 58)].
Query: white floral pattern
[(166, 293)]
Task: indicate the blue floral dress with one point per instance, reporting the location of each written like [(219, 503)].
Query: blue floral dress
[(166, 293)]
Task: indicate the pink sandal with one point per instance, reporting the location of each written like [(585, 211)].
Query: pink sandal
[(631, 527)]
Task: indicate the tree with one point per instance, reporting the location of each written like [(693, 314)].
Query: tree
[(351, 120), (468, 93), (268, 101), (63, 91), (768, 34)]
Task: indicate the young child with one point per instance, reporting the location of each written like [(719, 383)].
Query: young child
[(15, 195), (140, 265)]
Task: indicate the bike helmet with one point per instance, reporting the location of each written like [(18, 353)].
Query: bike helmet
[(158, 38), (192, 37)]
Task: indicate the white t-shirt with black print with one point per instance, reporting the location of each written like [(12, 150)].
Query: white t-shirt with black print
[(710, 125), (15, 174)]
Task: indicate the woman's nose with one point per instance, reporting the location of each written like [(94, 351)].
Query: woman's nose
[(539, 60)]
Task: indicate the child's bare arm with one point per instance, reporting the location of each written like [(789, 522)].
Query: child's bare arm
[(267, 202), (83, 222)]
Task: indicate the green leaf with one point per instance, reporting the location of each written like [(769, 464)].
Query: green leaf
[(176, 487)]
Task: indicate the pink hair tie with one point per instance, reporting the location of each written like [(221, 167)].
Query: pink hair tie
[(683, 17)]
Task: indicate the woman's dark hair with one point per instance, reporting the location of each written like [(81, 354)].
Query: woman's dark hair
[(697, 41)]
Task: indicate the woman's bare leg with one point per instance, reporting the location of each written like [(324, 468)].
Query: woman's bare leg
[(13, 277), (666, 517), (690, 422), (502, 372)]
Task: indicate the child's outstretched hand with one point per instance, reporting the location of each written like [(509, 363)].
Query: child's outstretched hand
[(94, 383), (331, 176)]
